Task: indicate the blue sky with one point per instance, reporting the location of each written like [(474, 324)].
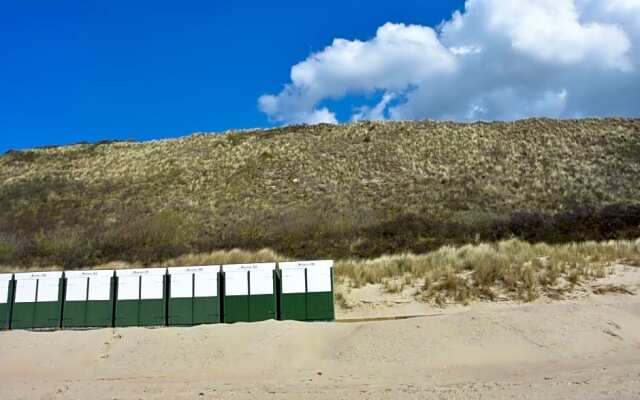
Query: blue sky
[(74, 71), (91, 70)]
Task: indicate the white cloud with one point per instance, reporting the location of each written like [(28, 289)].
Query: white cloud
[(496, 60), (375, 113), (546, 30)]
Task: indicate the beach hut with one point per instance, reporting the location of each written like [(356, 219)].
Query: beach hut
[(37, 300), (140, 297), (249, 292), (89, 299), (306, 290), (193, 295)]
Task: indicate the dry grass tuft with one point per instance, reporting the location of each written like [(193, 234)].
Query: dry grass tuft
[(341, 299), (235, 256), (510, 269)]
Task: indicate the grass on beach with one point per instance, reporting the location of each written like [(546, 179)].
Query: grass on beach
[(511, 269)]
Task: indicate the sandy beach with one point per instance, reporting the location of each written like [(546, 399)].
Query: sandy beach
[(587, 347)]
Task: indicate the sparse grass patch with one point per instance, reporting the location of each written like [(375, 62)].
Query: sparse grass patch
[(341, 299), (604, 289), (513, 269)]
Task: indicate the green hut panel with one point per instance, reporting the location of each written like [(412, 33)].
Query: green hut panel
[(6, 300), (320, 302), (307, 291), (24, 304), (37, 300), (127, 313), (193, 296), (262, 292), (152, 312), (180, 311), (236, 294), (262, 307), (249, 292), (293, 297), (89, 299), (180, 307), (206, 310), (320, 306), (140, 297), (206, 297)]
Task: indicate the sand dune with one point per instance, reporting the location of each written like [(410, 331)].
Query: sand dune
[(587, 348)]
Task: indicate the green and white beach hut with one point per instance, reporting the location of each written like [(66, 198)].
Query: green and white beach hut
[(89, 299), (37, 300), (193, 295), (306, 290), (249, 292), (140, 297)]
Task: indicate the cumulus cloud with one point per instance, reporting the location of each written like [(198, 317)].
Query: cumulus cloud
[(495, 59)]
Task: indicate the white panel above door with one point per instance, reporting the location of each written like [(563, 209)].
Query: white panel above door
[(152, 287), (206, 284), (181, 286), (236, 283), (293, 280), (76, 289), (48, 289), (5, 280), (100, 288), (261, 281), (128, 287)]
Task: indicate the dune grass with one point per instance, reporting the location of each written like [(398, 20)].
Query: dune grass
[(220, 257), (508, 269)]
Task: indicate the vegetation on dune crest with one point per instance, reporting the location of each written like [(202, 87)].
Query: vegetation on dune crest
[(329, 191)]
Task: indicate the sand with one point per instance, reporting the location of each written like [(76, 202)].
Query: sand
[(584, 348)]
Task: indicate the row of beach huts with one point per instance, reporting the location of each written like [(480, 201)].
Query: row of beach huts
[(176, 296)]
